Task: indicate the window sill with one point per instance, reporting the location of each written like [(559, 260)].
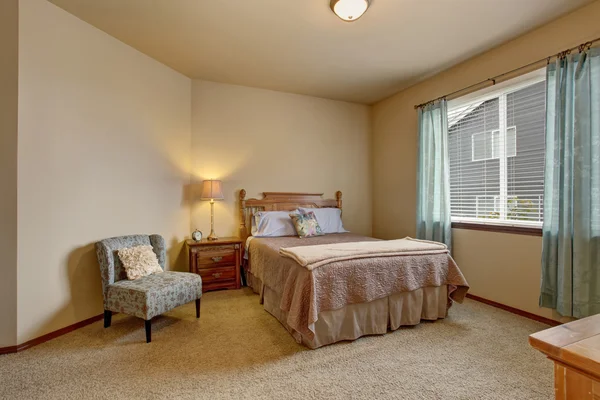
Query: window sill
[(518, 230)]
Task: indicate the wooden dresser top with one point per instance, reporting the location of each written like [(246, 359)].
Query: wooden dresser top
[(576, 344)]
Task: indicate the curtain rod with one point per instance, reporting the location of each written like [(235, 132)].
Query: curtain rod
[(581, 47)]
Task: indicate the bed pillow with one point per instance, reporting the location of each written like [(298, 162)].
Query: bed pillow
[(139, 261), (306, 224), (272, 224), (330, 219)]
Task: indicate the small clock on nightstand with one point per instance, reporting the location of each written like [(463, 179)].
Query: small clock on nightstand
[(216, 261), (197, 235)]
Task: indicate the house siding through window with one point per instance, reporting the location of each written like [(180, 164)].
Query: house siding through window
[(475, 170)]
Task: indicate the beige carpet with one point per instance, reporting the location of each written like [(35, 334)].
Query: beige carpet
[(238, 351)]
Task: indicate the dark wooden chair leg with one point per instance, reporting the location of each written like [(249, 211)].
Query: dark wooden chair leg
[(107, 318), (197, 308), (148, 324)]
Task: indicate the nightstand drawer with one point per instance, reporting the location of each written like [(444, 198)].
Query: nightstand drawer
[(208, 259), (219, 274)]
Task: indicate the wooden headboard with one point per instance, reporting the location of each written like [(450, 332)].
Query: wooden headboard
[(281, 201)]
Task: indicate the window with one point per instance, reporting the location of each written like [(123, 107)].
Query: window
[(482, 146), (496, 140), (485, 146), (511, 141)]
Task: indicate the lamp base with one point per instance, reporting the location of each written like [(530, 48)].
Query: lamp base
[(212, 236)]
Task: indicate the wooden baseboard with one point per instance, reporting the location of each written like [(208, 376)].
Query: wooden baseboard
[(513, 310), (8, 350), (50, 336)]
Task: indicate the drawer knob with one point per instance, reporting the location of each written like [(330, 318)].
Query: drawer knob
[(217, 259), (217, 274)]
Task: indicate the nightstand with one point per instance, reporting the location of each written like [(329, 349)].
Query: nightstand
[(217, 262)]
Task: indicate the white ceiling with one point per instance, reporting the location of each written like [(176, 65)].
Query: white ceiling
[(300, 46)]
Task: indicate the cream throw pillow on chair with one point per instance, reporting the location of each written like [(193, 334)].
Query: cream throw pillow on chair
[(139, 261)]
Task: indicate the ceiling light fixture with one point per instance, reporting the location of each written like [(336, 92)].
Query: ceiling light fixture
[(349, 10)]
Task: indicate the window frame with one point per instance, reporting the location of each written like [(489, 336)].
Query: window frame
[(482, 95)]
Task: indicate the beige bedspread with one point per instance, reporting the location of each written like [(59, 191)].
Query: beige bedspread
[(311, 257), (305, 293)]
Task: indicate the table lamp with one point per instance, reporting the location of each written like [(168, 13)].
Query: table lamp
[(212, 190)]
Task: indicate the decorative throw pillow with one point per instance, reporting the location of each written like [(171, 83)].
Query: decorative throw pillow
[(306, 224), (139, 261)]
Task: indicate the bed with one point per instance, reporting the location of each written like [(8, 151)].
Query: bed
[(345, 299)]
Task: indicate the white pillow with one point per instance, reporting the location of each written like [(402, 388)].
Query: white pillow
[(273, 223), (329, 219), (139, 261)]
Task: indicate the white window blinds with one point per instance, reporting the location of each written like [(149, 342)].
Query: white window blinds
[(496, 152)]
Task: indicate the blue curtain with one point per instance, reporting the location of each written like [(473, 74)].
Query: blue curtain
[(571, 231), (433, 181)]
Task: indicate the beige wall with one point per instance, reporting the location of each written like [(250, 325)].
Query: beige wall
[(261, 140), (500, 267), (104, 146), (9, 72)]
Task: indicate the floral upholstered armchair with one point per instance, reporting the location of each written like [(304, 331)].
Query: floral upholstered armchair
[(150, 295)]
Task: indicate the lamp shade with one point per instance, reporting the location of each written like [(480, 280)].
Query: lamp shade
[(212, 190), (349, 10)]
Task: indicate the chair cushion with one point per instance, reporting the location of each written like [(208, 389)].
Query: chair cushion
[(153, 295)]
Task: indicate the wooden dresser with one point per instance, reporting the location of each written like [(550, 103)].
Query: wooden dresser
[(217, 262), (575, 350)]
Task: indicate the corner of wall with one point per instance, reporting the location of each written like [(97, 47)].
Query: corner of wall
[(9, 72)]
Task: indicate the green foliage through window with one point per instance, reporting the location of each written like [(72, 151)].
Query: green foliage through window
[(517, 210)]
